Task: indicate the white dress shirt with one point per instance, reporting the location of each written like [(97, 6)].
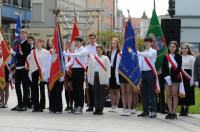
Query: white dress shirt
[(82, 59), (151, 55), (88, 51)]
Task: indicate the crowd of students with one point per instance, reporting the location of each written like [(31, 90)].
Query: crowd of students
[(96, 69)]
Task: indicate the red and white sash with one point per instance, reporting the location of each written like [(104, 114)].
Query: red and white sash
[(36, 61), (174, 64), (78, 61), (157, 85), (100, 62)]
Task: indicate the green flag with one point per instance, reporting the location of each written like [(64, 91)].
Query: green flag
[(155, 32)]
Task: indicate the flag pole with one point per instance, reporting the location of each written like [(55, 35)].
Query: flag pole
[(129, 16)]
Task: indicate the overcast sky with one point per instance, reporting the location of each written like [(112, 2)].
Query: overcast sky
[(137, 7)]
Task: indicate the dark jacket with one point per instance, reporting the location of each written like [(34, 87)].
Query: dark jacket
[(174, 74), (197, 69), (26, 49)]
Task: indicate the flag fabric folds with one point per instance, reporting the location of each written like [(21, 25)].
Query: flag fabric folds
[(129, 64), (155, 32), (4, 56), (57, 64), (17, 42), (75, 33), (17, 34)]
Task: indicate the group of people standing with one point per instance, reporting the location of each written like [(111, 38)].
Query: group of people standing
[(98, 70)]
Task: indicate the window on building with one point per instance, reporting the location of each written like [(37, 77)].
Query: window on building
[(37, 12)]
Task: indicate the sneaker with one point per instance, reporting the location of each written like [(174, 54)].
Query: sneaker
[(125, 112), (112, 109), (78, 110), (152, 115), (143, 114), (133, 111)]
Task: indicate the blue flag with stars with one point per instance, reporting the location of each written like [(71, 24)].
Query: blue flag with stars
[(129, 64)]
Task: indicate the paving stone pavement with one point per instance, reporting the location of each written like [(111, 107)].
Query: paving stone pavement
[(87, 122)]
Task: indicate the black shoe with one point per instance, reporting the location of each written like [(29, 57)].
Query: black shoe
[(96, 112), (168, 116), (67, 108), (164, 112), (22, 109), (174, 116), (15, 108), (90, 109), (186, 111), (100, 113), (182, 112), (40, 110), (143, 114), (35, 110)]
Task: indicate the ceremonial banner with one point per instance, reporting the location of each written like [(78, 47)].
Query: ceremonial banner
[(155, 32), (4, 56), (57, 66), (75, 33), (129, 64)]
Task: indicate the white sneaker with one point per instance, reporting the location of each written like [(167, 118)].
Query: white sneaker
[(115, 109), (133, 111), (112, 109), (125, 113)]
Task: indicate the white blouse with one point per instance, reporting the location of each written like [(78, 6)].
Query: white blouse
[(188, 62)]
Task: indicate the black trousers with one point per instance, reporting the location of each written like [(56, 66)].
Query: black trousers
[(55, 97), (91, 95), (147, 90), (29, 92), (99, 93), (38, 104), (77, 84), (20, 78)]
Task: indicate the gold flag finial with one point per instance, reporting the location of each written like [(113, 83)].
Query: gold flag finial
[(56, 11)]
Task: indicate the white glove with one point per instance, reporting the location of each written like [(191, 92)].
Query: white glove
[(12, 52), (196, 83), (168, 80), (191, 82)]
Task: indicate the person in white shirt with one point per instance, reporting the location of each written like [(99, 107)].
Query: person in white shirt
[(98, 76), (90, 51), (188, 67), (38, 65), (114, 88), (78, 65), (148, 79)]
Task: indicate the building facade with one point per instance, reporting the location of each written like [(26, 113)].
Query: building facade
[(9, 11)]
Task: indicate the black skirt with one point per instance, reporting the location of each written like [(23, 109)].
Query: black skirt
[(112, 80), (189, 92)]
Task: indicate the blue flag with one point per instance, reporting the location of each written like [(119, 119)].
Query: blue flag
[(17, 41), (129, 64)]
